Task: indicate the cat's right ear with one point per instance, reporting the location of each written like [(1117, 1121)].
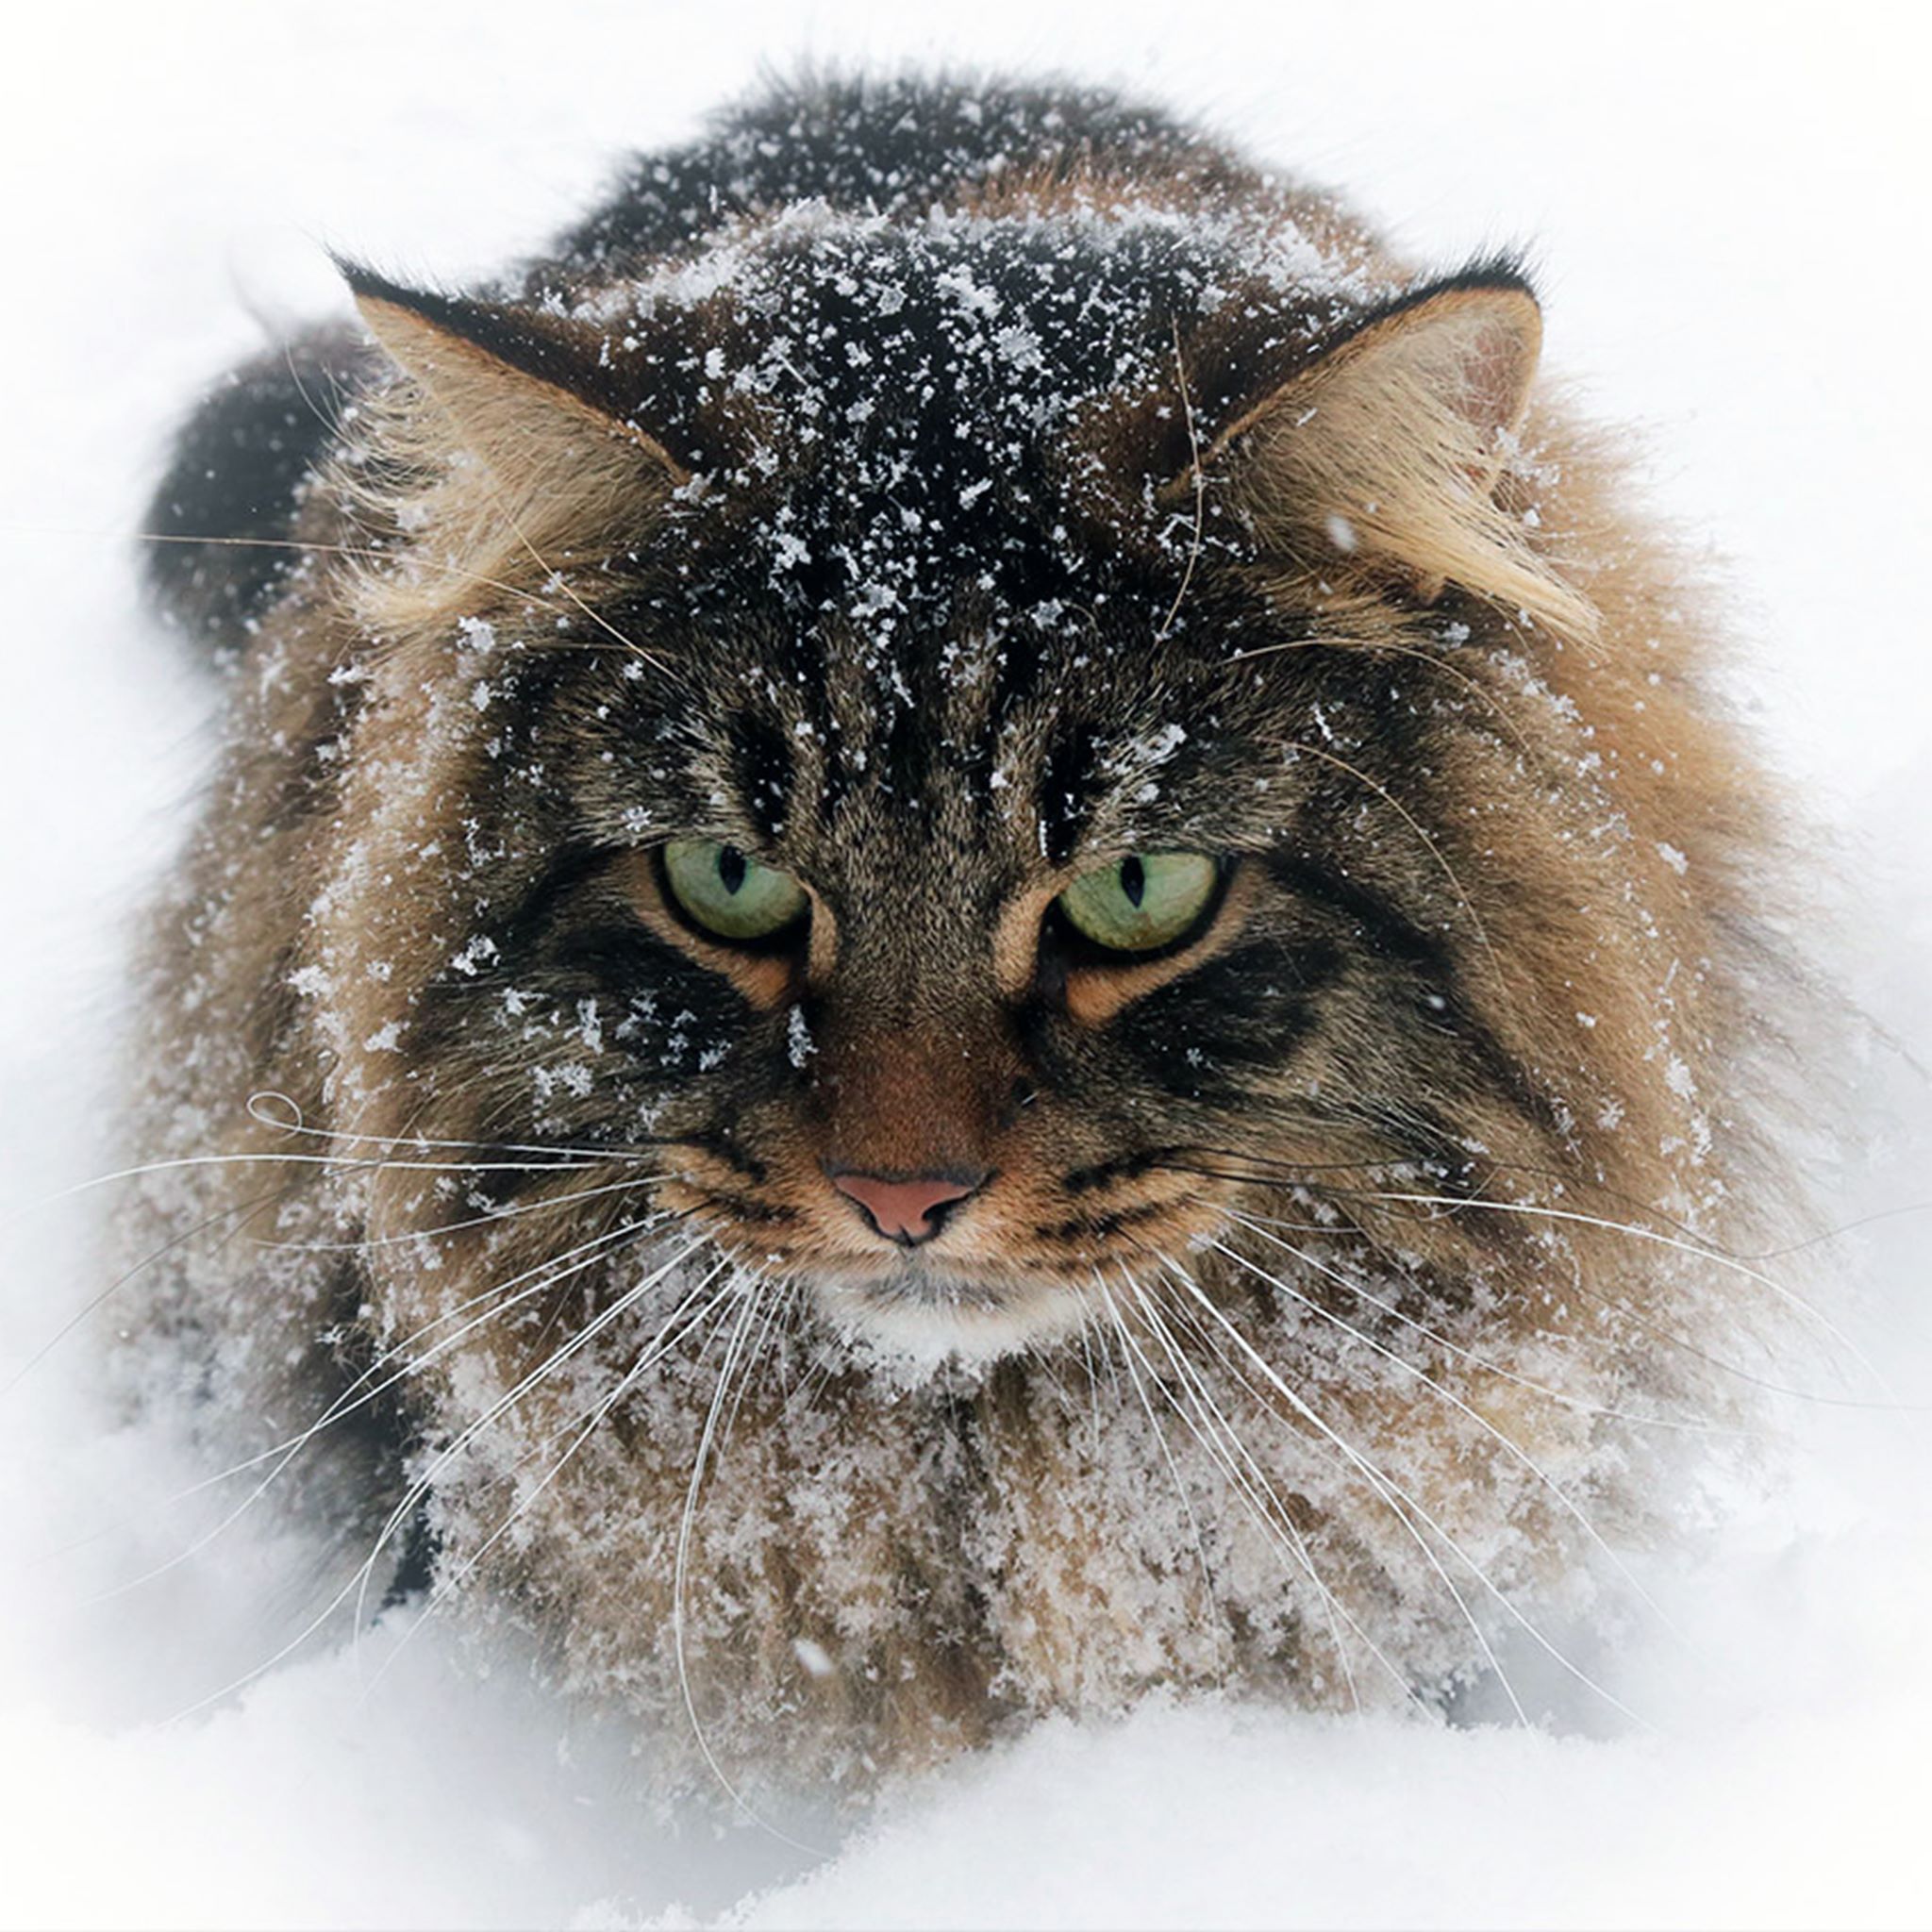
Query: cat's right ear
[(523, 389)]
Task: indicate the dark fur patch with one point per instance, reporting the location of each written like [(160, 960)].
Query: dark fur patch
[(222, 521)]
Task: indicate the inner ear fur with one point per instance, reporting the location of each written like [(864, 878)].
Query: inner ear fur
[(511, 456), (1384, 453), (518, 388)]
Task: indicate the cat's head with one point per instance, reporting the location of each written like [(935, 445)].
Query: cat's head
[(948, 742)]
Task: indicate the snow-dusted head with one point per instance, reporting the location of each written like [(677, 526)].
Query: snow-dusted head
[(971, 799), (937, 689)]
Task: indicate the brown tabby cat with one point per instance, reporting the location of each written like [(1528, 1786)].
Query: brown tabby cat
[(956, 877)]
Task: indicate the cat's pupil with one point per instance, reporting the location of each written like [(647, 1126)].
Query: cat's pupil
[(1133, 880), (731, 868)]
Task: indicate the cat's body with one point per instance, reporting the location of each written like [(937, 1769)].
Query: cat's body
[(972, 860)]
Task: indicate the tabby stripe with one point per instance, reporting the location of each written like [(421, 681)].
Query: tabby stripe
[(1390, 934), (1066, 791), (761, 768)]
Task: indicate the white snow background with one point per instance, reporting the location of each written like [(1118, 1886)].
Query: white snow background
[(1727, 210)]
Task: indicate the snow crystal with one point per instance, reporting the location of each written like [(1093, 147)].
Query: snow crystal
[(474, 956), (799, 1045), (1341, 534)]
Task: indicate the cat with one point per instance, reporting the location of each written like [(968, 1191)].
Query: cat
[(977, 935)]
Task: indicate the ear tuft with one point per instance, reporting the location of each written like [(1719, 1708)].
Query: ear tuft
[(1386, 451), (518, 386), (508, 451)]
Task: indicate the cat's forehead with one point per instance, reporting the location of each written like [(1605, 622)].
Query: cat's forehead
[(915, 380), (911, 744), (904, 427), (900, 603)]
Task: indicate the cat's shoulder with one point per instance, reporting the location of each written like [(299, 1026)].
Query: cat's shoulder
[(217, 528)]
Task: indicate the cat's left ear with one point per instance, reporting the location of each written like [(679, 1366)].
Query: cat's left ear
[(523, 389), (1384, 452)]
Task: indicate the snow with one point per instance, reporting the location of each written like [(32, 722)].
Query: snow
[(1718, 223)]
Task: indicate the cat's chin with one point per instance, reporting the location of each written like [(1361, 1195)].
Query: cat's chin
[(927, 1317)]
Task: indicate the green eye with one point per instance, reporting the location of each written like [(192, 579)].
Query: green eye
[(727, 893), (1142, 901)]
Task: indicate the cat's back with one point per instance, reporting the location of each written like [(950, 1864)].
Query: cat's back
[(893, 147)]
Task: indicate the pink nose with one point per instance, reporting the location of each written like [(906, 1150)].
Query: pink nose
[(906, 1212)]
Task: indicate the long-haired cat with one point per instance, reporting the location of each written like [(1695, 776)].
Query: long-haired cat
[(975, 934)]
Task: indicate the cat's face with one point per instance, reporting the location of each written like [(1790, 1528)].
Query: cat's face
[(948, 821), (956, 973)]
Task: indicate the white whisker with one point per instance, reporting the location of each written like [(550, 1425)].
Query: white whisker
[(1703, 1251), (357, 1584), (1509, 1445), (1396, 1492), (1390, 1497), (496, 1217), (1260, 1495), (681, 1568), (284, 1453), (542, 1277), (653, 1352), (1262, 1224), (1160, 1434), (587, 1334), (241, 1211), (261, 1109)]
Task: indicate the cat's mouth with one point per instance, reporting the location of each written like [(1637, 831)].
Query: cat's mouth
[(953, 1263)]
